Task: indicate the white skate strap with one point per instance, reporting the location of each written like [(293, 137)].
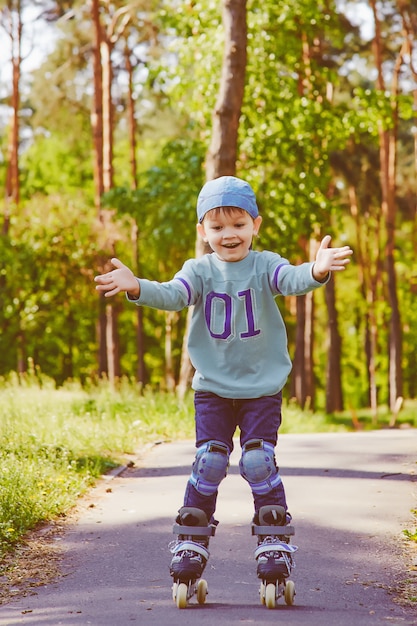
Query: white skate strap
[(191, 545), (277, 546)]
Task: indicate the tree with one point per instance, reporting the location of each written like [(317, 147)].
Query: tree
[(388, 164), (48, 314), (103, 128), (162, 215), (288, 153), (222, 153), (313, 131), (223, 150), (11, 21)]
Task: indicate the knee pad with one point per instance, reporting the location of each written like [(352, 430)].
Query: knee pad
[(210, 467), (257, 466)]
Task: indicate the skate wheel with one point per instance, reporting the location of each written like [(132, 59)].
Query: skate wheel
[(181, 597), (262, 593), (289, 592), (270, 596), (201, 591), (174, 591)]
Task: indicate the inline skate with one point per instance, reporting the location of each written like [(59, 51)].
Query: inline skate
[(274, 555), (190, 555)]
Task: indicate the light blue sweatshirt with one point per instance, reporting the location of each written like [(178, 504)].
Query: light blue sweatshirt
[(237, 341)]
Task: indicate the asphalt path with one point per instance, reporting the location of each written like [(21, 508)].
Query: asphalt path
[(350, 495)]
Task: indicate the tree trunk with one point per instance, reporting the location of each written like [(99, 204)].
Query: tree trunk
[(112, 338), (388, 157), (102, 122), (407, 11), (107, 107), (140, 335), (12, 191), (302, 377), (297, 376), (169, 368), (308, 351), (116, 25), (101, 336), (334, 394), (131, 120), (97, 112), (97, 127), (21, 355), (368, 285), (222, 153)]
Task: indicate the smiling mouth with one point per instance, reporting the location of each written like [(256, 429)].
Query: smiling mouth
[(231, 245)]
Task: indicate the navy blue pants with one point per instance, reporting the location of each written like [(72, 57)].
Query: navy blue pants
[(217, 419)]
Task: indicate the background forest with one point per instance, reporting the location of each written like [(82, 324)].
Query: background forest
[(109, 124)]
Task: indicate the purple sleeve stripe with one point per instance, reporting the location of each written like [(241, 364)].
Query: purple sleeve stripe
[(276, 276), (187, 286)]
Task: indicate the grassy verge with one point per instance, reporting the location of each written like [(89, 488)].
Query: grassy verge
[(409, 584), (55, 443), (296, 420), (411, 535)]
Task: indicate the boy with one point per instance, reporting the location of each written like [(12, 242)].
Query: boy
[(238, 347)]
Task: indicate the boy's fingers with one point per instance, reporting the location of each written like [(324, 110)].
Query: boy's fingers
[(117, 263), (325, 242)]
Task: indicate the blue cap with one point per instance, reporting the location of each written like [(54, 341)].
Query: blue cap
[(226, 191)]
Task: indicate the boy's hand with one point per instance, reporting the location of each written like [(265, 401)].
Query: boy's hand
[(120, 279), (330, 259)]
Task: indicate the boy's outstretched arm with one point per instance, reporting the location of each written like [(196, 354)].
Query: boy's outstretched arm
[(120, 279), (330, 259)]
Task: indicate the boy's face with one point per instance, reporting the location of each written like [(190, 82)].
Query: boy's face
[(229, 232)]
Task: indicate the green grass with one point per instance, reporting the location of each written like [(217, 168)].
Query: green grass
[(411, 535), (55, 443), (297, 421)]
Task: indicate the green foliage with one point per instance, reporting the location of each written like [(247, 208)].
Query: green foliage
[(296, 420), (308, 138), (411, 535), (163, 206), (45, 278), (291, 126), (196, 40), (163, 210), (53, 164)]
